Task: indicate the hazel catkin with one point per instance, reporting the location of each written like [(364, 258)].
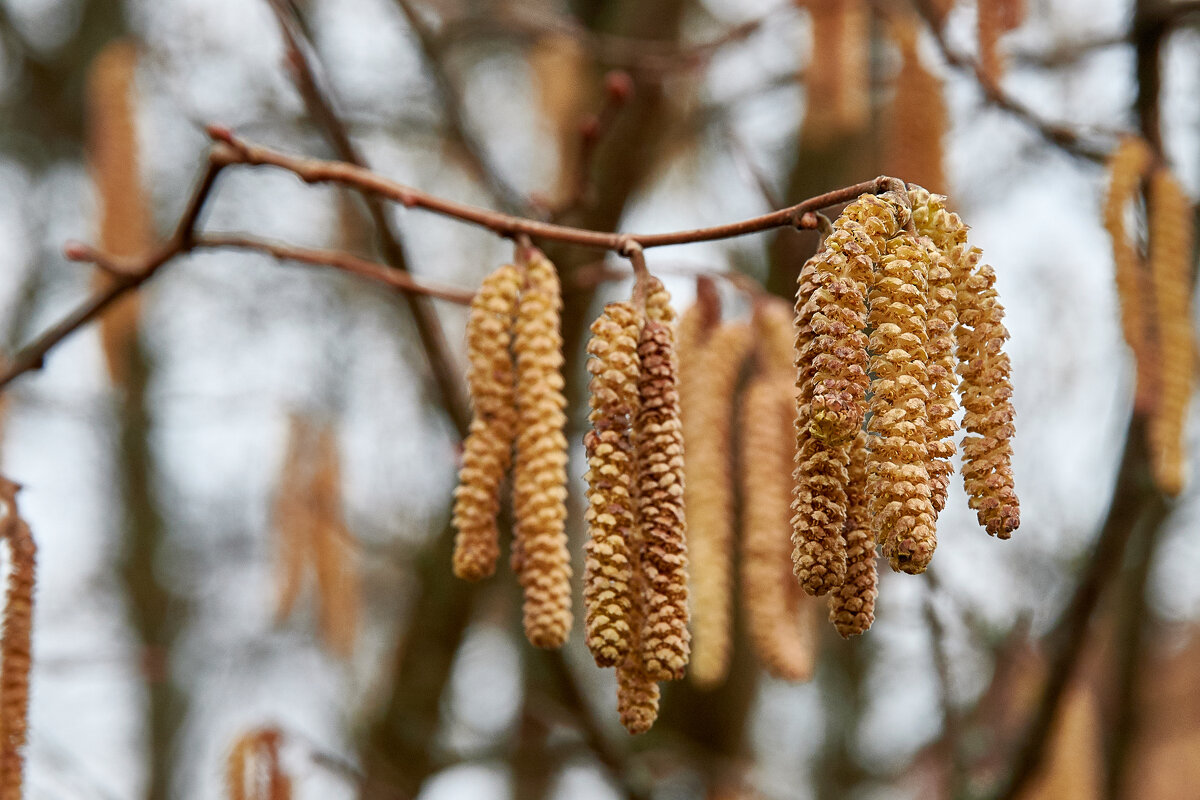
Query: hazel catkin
[(1171, 224), (658, 438), (852, 605), (16, 651), (487, 450), (613, 395), (1126, 168), (985, 391), (708, 379), (898, 482), (539, 474)]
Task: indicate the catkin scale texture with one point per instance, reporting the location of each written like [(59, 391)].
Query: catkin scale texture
[(613, 396), (898, 482), (709, 375), (487, 450), (831, 361), (539, 475), (985, 391), (852, 605), (942, 231), (1170, 262), (658, 438)]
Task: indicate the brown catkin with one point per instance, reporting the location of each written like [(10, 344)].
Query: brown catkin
[(613, 395), (637, 691), (783, 646), (838, 74), (292, 517), (658, 437), (1170, 214), (985, 391), (125, 224), (994, 19), (540, 472), (944, 231), (831, 382), (1126, 168), (897, 479), (334, 552), (253, 770), (916, 122), (708, 381), (487, 450), (15, 644), (852, 605)]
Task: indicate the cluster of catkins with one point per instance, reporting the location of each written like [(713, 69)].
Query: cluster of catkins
[(1154, 289), (518, 403), (892, 313)]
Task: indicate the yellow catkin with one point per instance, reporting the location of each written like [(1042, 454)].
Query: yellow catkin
[(852, 605), (293, 518), (487, 450), (897, 479), (334, 552), (985, 392), (1127, 167), (1171, 224), (944, 231), (637, 691), (782, 645), (613, 395), (253, 770), (125, 224), (838, 74), (831, 360), (540, 472), (15, 644), (658, 437), (709, 378), (916, 122)]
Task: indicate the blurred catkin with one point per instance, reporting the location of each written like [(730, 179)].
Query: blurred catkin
[(994, 19), (487, 450), (1171, 225), (1127, 167), (852, 605), (831, 382), (916, 121), (709, 375), (253, 770), (540, 472), (125, 225), (838, 73), (293, 518), (944, 231), (898, 481), (985, 391), (658, 437), (334, 552), (613, 395), (15, 643), (783, 645)]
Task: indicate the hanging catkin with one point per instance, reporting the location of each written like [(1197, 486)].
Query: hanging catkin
[(540, 472), (1127, 167), (658, 437), (253, 770), (293, 517), (852, 605), (944, 231), (897, 479), (995, 18), (613, 395), (831, 360), (15, 643), (637, 692), (334, 551), (125, 225), (838, 73), (985, 392), (1170, 264), (487, 450), (916, 121), (708, 380), (784, 646)]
